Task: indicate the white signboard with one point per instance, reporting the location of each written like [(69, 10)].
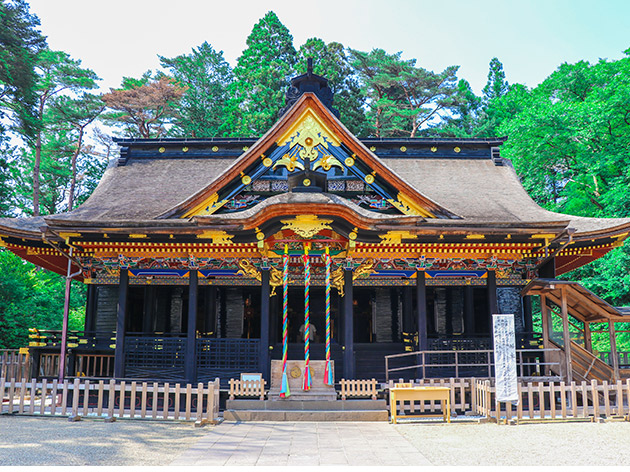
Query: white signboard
[(505, 358)]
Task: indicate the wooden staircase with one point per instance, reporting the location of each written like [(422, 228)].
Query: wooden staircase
[(585, 365)]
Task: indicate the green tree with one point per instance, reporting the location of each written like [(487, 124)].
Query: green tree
[(261, 76), (403, 99), (75, 115), (569, 139), (205, 75), (20, 44), (330, 61), (496, 86), (58, 74), (32, 298)]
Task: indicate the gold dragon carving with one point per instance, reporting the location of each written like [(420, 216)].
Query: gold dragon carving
[(363, 270), (247, 269)]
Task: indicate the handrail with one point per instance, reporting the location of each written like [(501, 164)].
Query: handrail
[(489, 363)]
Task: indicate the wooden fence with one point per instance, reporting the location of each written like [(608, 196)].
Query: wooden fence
[(85, 398), (358, 388), (555, 400), (247, 388), (14, 365)]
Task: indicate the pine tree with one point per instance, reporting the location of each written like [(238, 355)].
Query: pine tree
[(205, 75), (330, 61), (262, 76), (496, 86)]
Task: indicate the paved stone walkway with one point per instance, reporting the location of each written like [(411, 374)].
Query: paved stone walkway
[(302, 443)]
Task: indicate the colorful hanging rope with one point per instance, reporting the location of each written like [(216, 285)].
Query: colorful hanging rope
[(284, 390), (328, 374), (307, 323)]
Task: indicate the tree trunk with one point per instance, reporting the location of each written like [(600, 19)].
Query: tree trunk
[(38, 159), (73, 180)]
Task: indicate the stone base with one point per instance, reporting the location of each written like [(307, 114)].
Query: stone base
[(305, 415), (339, 405), (295, 374)]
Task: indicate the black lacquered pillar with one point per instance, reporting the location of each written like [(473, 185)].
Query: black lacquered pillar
[(348, 326), (191, 334), (263, 355), (121, 316)]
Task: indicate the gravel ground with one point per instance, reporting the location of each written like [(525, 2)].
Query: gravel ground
[(29, 441), (32, 441), (542, 444)]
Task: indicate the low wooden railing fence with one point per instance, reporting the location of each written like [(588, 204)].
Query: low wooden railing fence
[(14, 364), (555, 401), (359, 388), (247, 388), (85, 398)]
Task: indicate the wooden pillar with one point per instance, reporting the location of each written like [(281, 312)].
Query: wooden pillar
[(492, 293), (211, 311), (528, 322), (408, 316), (544, 318), (348, 326), (191, 334), (613, 349), (566, 335), (263, 353), (421, 296), (121, 318), (90, 308), (493, 306), (588, 345), (148, 312), (469, 309)]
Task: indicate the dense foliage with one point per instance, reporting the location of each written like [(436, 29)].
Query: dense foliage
[(569, 137)]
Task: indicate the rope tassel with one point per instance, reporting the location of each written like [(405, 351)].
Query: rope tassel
[(328, 374), (284, 390), (307, 323)]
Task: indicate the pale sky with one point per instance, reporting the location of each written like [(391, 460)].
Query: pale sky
[(531, 38)]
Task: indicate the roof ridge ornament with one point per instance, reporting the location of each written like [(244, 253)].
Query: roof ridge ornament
[(309, 82)]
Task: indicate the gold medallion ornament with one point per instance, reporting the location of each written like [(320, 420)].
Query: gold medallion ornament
[(185, 149), (403, 148), (295, 373), (162, 150), (215, 148), (433, 149), (306, 226), (306, 182), (267, 162), (372, 149), (246, 180), (369, 179), (349, 161), (457, 149)]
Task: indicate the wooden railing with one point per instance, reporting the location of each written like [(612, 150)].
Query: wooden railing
[(624, 358), (555, 401), (247, 388), (85, 398), (359, 388), (13, 364), (463, 363)]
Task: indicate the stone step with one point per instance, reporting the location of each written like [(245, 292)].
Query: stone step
[(306, 405), (306, 415)]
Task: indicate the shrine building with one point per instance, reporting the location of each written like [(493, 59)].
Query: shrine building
[(182, 247)]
